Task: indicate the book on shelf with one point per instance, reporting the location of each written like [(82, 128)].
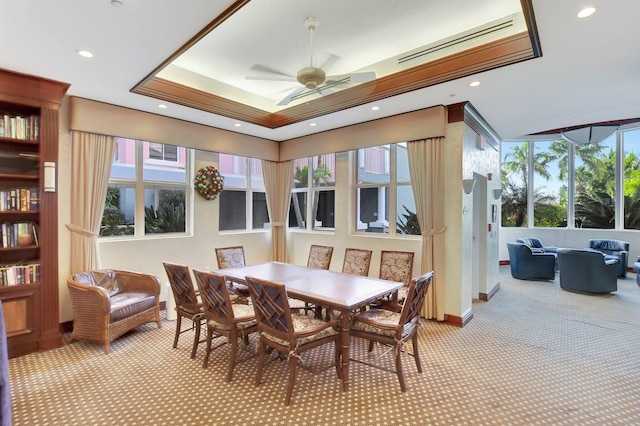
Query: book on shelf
[(27, 273), (21, 127), (19, 234), (20, 199)]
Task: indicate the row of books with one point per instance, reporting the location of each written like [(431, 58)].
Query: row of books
[(19, 274), (20, 127), (20, 199), (19, 234)]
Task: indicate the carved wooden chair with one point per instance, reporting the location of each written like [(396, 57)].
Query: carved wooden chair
[(356, 261), (187, 303), (397, 266), (231, 320), (290, 334), (233, 257), (393, 329)]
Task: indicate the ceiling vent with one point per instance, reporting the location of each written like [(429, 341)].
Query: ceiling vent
[(460, 39)]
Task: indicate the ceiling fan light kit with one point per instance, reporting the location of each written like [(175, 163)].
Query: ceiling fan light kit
[(311, 77)]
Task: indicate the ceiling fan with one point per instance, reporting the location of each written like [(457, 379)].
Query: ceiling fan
[(313, 79)]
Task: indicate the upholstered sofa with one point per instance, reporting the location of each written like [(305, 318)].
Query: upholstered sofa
[(529, 265), (587, 271), (613, 249), (108, 303)]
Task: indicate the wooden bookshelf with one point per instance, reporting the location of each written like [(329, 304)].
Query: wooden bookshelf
[(28, 137)]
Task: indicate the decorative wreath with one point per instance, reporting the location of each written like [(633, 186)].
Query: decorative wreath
[(208, 182)]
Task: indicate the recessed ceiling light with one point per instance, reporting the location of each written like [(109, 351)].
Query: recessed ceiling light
[(312, 124), (84, 53), (163, 106), (238, 125), (375, 108), (587, 11), (474, 83)]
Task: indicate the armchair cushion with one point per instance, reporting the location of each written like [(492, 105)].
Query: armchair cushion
[(105, 279), (536, 245), (125, 305), (613, 249)]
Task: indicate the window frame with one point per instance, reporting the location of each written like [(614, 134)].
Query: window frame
[(140, 186), (312, 191), (390, 158)]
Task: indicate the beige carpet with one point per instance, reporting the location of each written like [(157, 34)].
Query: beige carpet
[(533, 355)]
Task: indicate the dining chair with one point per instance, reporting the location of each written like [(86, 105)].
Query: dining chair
[(187, 303), (394, 328), (319, 257), (397, 266), (356, 261), (291, 334), (231, 320), (233, 257)]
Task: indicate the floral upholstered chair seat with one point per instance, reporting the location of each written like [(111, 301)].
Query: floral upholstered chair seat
[(305, 326), (240, 312), (381, 321)]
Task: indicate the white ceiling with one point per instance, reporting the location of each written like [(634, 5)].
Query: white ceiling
[(589, 71)]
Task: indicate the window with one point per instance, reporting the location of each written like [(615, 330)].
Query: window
[(144, 196), (383, 191), (162, 152), (314, 179), (600, 181), (243, 203)]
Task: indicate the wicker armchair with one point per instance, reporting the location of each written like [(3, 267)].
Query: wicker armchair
[(232, 320), (394, 329), (108, 303), (290, 334)]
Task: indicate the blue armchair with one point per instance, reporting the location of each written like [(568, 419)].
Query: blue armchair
[(587, 271), (613, 249), (536, 244), (529, 265)]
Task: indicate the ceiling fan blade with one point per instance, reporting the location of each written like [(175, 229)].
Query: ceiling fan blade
[(270, 78), (265, 69), (324, 91), (329, 62), (291, 95)]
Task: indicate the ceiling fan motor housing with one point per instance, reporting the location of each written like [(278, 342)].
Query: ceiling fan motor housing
[(311, 77)]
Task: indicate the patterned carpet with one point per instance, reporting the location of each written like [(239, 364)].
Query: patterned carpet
[(533, 355)]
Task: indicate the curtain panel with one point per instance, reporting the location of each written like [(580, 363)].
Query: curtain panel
[(91, 160), (427, 180), (278, 179)]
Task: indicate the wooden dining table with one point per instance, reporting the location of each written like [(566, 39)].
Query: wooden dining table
[(344, 293)]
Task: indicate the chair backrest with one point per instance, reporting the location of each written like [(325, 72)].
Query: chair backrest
[(356, 261), (181, 285), (215, 296), (410, 315), (272, 308), (230, 257), (531, 242), (396, 266), (609, 246), (319, 257)]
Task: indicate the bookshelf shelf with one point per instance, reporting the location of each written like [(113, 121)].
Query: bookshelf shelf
[(28, 271)]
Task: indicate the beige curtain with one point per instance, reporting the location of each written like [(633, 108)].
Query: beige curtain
[(91, 159), (278, 179), (427, 180)]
